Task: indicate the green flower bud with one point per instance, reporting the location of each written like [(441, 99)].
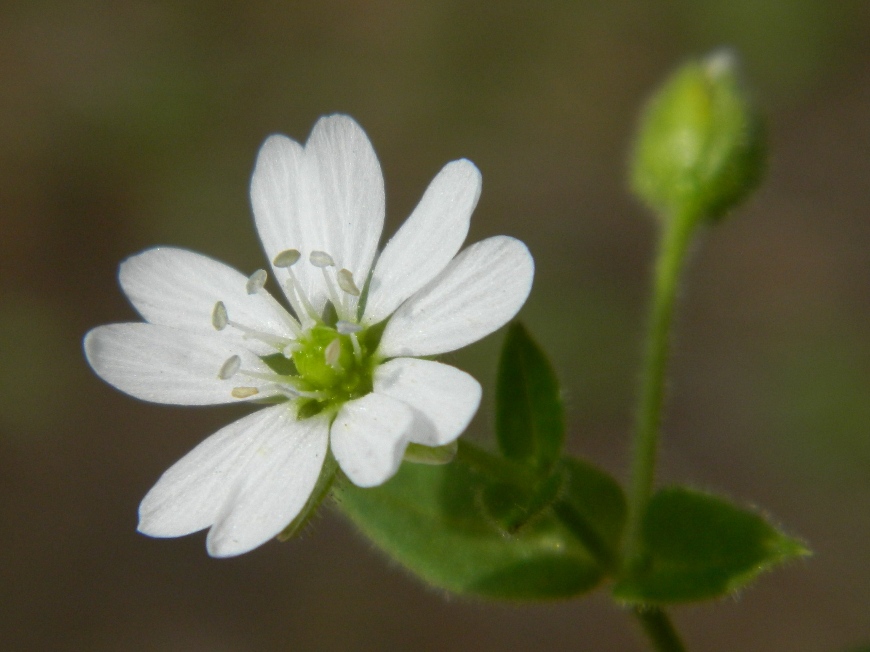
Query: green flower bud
[(700, 149)]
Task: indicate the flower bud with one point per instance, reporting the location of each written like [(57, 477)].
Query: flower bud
[(700, 149)]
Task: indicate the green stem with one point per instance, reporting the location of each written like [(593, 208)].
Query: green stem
[(669, 264), (659, 630)]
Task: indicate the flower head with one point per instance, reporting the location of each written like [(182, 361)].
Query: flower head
[(340, 373)]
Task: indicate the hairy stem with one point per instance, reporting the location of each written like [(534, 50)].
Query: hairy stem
[(669, 264), (659, 630)]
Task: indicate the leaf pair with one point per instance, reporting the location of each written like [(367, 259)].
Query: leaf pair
[(532, 524)]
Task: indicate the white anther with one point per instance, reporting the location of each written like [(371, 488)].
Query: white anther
[(321, 259), (332, 352), (345, 282), (347, 327), (244, 392), (286, 258), (256, 281), (230, 367), (219, 317)]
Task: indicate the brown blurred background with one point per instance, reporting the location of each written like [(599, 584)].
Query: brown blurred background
[(131, 124)]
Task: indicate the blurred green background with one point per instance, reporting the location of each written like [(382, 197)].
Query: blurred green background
[(131, 124)]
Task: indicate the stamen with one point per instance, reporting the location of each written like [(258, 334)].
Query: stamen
[(253, 334), (332, 353), (300, 303), (230, 367), (244, 392), (292, 392), (357, 349), (287, 258), (256, 281), (347, 327), (334, 297), (345, 282), (219, 318), (321, 259)]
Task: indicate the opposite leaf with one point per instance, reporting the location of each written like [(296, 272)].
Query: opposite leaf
[(697, 546), (430, 520), (530, 422)]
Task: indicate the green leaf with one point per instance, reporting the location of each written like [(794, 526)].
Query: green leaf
[(593, 507), (429, 519), (512, 506), (697, 546), (530, 421)]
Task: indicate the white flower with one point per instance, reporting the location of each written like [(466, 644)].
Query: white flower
[(343, 367)]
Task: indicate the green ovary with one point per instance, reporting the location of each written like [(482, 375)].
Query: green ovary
[(338, 375)]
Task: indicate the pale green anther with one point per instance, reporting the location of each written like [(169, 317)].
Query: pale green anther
[(219, 317), (700, 148), (332, 352), (321, 259), (286, 258), (345, 282), (230, 367), (256, 281)]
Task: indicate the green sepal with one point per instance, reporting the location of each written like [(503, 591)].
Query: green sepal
[(420, 454), (318, 495), (696, 546), (280, 364), (529, 417), (429, 519)]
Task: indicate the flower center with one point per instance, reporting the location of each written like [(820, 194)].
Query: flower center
[(326, 364), (333, 365)]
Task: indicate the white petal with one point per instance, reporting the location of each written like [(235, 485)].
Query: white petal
[(283, 213), (166, 365), (480, 291), (179, 288), (328, 197), (191, 494), (427, 241), (444, 399), (274, 483), (347, 191), (368, 438)]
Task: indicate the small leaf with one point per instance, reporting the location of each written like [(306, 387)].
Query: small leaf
[(512, 506), (429, 519), (593, 507), (697, 546), (530, 422)]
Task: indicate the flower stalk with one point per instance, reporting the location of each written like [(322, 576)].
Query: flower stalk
[(669, 264)]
